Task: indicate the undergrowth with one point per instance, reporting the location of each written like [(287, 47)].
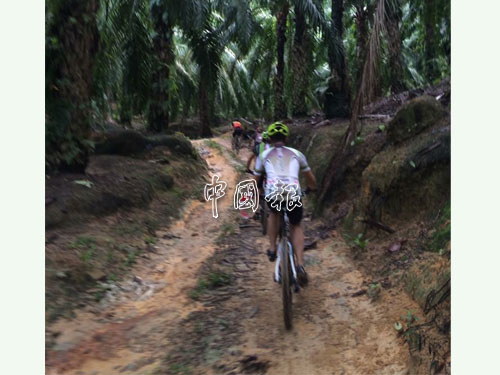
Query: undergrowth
[(442, 235)]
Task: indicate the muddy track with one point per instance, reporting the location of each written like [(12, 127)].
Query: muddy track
[(150, 325)]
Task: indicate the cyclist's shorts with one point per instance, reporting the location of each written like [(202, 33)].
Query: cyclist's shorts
[(237, 131), (260, 185), (295, 215)]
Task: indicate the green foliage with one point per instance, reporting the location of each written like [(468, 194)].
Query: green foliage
[(226, 50), (357, 141), (360, 242)]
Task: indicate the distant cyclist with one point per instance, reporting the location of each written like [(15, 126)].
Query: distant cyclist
[(258, 136), (237, 129), (284, 163), (258, 149), (237, 136)]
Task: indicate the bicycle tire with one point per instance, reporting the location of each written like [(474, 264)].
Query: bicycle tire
[(285, 284)]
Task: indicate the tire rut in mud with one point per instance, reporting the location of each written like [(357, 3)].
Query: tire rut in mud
[(204, 341)]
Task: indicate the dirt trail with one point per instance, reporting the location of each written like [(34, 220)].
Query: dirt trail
[(334, 332), (130, 328)]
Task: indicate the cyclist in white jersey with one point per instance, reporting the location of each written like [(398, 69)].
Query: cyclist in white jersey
[(258, 150), (282, 165)]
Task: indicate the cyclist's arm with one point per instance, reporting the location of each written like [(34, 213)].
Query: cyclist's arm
[(304, 167), (310, 179)]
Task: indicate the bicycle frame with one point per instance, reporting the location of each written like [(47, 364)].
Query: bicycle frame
[(284, 233)]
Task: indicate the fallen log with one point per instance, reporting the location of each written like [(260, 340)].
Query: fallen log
[(378, 225), (374, 117)]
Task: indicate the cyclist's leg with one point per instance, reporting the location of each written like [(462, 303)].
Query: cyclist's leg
[(297, 237), (272, 228)]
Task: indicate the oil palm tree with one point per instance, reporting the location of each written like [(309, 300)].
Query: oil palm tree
[(280, 110), (365, 92), (338, 96), (71, 46), (300, 62)]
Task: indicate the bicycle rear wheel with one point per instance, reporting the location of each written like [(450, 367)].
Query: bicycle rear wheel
[(286, 285)]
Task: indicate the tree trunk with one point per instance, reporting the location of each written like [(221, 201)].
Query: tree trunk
[(299, 65), (361, 20), (365, 92), (430, 52), (69, 67), (280, 111), (338, 95), (395, 60), (204, 105), (158, 113)]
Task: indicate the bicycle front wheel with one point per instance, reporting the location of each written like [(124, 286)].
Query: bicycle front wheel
[(285, 284)]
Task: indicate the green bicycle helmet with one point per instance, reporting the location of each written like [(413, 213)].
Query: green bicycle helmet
[(276, 128)]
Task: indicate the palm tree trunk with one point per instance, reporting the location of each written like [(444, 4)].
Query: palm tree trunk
[(366, 89), (429, 39), (69, 76), (299, 65), (279, 102), (361, 18), (204, 106), (395, 62), (158, 113), (338, 95)]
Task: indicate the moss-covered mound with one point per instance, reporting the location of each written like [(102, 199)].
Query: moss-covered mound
[(111, 182), (320, 144), (414, 117), (133, 143), (408, 180), (189, 127)]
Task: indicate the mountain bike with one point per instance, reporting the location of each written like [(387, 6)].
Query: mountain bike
[(286, 261), (284, 271)]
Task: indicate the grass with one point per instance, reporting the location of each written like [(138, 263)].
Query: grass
[(212, 144), (420, 282), (178, 369), (150, 240), (442, 235), (128, 229), (213, 280), (87, 245), (227, 228)]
